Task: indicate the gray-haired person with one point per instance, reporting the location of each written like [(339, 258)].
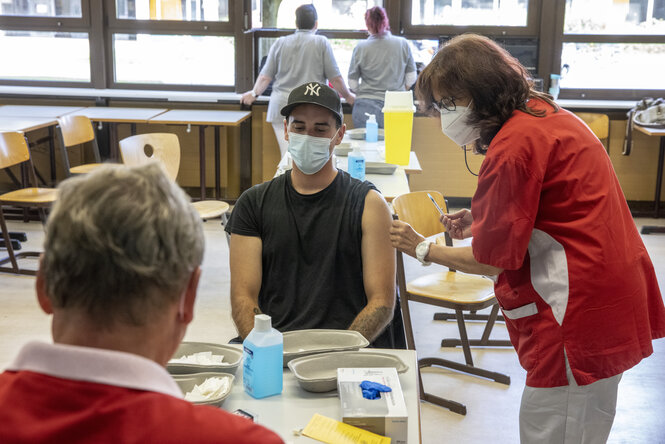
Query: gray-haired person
[(119, 274), (293, 60)]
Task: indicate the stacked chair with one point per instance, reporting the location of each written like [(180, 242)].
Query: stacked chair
[(14, 152)]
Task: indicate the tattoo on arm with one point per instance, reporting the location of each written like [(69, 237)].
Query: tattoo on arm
[(371, 324)]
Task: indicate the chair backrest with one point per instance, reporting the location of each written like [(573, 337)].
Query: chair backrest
[(76, 130), (417, 210), (143, 148), (13, 149)]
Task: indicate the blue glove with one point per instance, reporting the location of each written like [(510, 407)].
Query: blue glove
[(372, 390)]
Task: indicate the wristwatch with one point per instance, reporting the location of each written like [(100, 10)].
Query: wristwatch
[(255, 95), (422, 249)]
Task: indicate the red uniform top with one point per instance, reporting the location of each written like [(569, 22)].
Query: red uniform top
[(101, 402), (549, 210)]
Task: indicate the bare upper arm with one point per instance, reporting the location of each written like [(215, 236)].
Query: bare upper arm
[(246, 265), (378, 255)]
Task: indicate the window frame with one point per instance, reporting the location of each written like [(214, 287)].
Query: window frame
[(598, 94), (545, 23)]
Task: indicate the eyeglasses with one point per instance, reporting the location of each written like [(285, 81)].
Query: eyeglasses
[(445, 104)]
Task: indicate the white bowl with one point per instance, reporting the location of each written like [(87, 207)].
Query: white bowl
[(230, 363), (187, 383)]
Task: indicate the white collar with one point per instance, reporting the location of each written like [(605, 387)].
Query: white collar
[(97, 365)]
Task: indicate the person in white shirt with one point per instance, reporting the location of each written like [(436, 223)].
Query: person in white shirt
[(293, 60)]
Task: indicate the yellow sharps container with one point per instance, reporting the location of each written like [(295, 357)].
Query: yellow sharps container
[(398, 112)]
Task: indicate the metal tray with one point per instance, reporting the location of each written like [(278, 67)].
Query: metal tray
[(379, 168), (300, 343), (187, 383), (232, 358), (318, 373), (359, 133), (343, 149)]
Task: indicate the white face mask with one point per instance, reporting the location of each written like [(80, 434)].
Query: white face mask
[(454, 124), (309, 153)]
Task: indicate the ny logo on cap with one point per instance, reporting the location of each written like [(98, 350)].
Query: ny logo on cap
[(312, 89)]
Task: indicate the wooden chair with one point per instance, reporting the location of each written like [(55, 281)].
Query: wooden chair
[(600, 125), (14, 151), (448, 289), (73, 131), (165, 148)]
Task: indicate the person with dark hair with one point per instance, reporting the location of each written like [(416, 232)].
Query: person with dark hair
[(381, 63), (311, 247), (292, 60), (550, 223), (119, 275)]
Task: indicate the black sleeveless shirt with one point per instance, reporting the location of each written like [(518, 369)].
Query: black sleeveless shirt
[(312, 263)]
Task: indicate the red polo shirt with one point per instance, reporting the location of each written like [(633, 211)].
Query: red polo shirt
[(64, 394), (549, 210)]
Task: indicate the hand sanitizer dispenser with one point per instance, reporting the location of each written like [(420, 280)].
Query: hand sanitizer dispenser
[(263, 352), (357, 164), (371, 128)]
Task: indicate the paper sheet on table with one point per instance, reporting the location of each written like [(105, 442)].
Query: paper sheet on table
[(330, 431)]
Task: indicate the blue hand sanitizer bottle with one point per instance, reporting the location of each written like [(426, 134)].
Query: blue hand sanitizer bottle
[(357, 164), (263, 352), (371, 128)]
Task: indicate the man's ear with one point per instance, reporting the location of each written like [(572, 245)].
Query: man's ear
[(286, 130), (40, 286), (340, 134), (186, 310)]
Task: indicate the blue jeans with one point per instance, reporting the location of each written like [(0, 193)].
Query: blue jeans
[(369, 106)]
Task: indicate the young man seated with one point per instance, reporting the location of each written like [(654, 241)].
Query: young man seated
[(311, 248), (119, 274)]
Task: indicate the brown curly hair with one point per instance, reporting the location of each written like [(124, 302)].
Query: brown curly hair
[(476, 67)]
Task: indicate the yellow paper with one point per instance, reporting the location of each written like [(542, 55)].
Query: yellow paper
[(330, 431)]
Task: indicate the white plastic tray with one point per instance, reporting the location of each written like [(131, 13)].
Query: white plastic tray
[(299, 343), (230, 363), (187, 383), (318, 373)]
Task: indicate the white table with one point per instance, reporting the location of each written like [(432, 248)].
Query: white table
[(293, 409), (216, 119), (36, 111), (25, 124), (375, 152)]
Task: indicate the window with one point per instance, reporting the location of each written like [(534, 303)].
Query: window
[(603, 42), (172, 44), (200, 10), (45, 56), (173, 59), (45, 41), (338, 14), (470, 12), (41, 8)]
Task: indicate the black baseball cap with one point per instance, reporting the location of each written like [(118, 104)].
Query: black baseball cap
[(318, 94)]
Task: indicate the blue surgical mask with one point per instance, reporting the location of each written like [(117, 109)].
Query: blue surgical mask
[(309, 153)]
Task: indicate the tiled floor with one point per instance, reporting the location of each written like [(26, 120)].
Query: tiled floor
[(492, 407)]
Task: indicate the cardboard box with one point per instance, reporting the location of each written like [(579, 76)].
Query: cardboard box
[(386, 416)]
